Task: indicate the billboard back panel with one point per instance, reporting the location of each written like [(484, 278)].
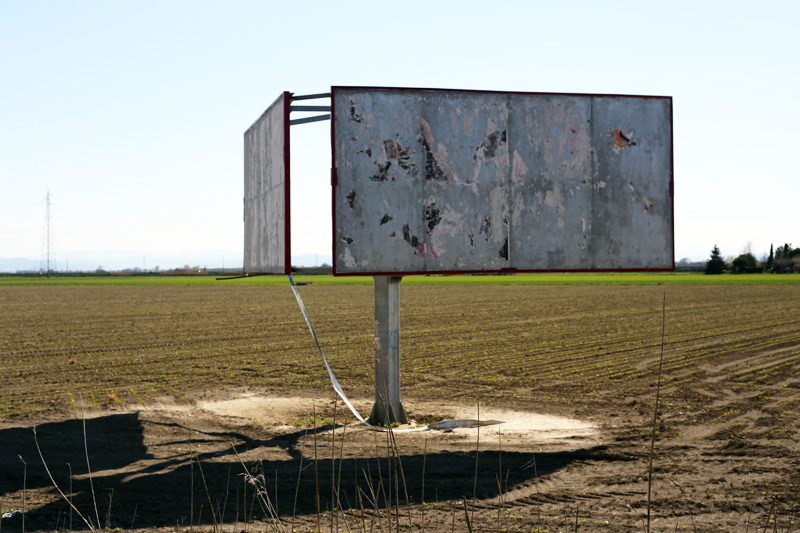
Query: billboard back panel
[(266, 191), (446, 181)]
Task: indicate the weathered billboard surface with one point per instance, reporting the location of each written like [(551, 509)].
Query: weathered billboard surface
[(266, 191), (466, 181)]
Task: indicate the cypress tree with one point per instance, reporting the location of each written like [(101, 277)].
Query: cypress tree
[(716, 264), (770, 259)]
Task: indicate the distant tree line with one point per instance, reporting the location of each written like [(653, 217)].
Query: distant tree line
[(781, 260)]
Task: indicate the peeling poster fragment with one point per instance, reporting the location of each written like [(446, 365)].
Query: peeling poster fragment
[(621, 140), (386, 218), (383, 170), (488, 147), (432, 217), (418, 246), (504, 250), (410, 239), (351, 199), (347, 239), (401, 156), (354, 116), (433, 170), (486, 228)]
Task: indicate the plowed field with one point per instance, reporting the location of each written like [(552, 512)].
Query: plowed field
[(142, 372)]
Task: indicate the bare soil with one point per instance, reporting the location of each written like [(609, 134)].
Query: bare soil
[(572, 451), (161, 465)]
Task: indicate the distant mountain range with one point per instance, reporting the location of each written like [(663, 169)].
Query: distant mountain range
[(121, 260)]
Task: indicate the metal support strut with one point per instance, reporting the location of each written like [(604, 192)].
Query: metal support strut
[(387, 409)]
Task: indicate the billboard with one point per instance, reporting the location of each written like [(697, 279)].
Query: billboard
[(449, 181), (267, 237)]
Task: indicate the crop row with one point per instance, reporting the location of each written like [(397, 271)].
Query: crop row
[(578, 345)]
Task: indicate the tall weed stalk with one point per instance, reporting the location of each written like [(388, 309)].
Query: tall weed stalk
[(259, 483), (208, 496), (655, 413), (53, 481), (88, 465), (25, 485), (333, 505)]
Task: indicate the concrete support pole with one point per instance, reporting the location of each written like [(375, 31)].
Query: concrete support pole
[(387, 409)]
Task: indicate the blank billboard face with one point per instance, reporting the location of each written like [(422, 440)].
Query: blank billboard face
[(430, 181), (266, 191)]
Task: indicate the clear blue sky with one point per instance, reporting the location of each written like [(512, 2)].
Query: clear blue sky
[(132, 113)]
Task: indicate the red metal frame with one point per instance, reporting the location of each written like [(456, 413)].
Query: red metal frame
[(479, 91), (672, 176), (334, 181), (287, 225)]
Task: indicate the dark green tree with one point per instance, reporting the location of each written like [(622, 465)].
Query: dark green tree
[(770, 259), (784, 259), (744, 263), (716, 264)]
